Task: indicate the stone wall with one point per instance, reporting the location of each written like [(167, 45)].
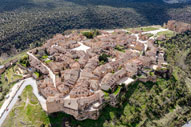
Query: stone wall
[(176, 26)]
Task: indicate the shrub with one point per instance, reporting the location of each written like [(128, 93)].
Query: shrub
[(117, 90), (120, 48), (24, 61), (37, 74), (91, 34), (48, 61), (104, 58), (45, 57), (1, 98)]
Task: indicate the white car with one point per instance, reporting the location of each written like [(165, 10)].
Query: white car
[(7, 96)]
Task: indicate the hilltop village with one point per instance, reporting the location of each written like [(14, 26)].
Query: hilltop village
[(79, 73), (82, 71)]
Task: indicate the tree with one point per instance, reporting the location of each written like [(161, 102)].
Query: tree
[(103, 57)]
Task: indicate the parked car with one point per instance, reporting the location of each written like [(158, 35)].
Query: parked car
[(7, 96)]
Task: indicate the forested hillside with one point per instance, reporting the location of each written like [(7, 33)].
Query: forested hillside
[(27, 23), (178, 52)]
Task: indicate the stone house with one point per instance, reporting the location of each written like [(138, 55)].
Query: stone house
[(109, 80), (102, 70), (48, 91), (131, 69), (63, 89), (38, 65)]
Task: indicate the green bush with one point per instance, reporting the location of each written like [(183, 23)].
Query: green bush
[(103, 58), (117, 90), (37, 74), (120, 48), (48, 61), (1, 98), (91, 34), (24, 61), (44, 57)]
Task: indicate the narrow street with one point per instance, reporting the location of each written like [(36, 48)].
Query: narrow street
[(51, 74)]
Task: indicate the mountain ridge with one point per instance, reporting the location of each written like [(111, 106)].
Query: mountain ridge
[(176, 1)]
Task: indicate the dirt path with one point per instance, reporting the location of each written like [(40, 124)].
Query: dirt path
[(27, 101)]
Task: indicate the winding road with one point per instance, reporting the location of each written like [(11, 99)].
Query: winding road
[(154, 32), (13, 97)]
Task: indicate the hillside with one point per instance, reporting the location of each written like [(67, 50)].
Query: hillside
[(164, 102), (27, 23)]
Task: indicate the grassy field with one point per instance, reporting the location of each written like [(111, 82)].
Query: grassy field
[(167, 33), (27, 112), (144, 29), (149, 35)]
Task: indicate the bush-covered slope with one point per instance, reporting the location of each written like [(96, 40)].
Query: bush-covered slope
[(178, 52)]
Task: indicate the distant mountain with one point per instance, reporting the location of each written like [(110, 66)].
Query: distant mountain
[(176, 1)]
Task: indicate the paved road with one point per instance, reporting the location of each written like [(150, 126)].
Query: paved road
[(154, 32), (13, 97), (187, 124)]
